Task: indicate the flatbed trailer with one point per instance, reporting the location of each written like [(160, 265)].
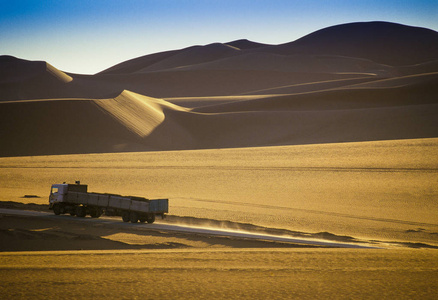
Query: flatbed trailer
[(77, 201)]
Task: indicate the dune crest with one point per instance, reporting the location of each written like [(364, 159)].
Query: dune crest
[(58, 74), (139, 113)]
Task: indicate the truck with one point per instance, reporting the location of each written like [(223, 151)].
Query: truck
[(74, 199)]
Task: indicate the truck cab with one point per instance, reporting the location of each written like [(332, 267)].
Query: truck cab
[(58, 191)]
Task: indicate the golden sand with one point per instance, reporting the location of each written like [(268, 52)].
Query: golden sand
[(223, 274), (373, 190)]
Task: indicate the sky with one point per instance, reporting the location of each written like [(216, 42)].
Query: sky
[(88, 36)]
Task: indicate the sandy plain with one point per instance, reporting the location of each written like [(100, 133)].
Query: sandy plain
[(373, 190), (223, 274), (378, 192)]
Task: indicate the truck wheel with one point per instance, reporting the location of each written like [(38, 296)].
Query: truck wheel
[(80, 211), (133, 217), (142, 218), (57, 209), (151, 219), (125, 216), (95, 212)]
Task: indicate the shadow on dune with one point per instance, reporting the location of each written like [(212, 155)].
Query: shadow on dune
[(342, 115), (133, 122)]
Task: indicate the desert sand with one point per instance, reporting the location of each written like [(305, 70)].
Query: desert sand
[(374, 190), (331, 137), (221, 274)]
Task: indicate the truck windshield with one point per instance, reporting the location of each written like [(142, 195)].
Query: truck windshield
[(54, 190)]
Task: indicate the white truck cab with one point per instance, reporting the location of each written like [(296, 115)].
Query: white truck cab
[(58, 191)]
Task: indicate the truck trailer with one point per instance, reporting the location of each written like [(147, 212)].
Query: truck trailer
[(75, 200)]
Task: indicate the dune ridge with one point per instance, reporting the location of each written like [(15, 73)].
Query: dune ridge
[(138, 113)]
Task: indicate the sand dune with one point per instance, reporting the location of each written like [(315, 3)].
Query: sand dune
[(82, 125), (135, 64), (251, 128), (180, 58), (22, 79), (295, 63), (175, 58), (339, 84), (138, 113), (18, 70), (196, 83), (194, 55), (180, 83), (357, 50), (244, 44), (400, 91), (382, 42), (59, 126), (401, 108)]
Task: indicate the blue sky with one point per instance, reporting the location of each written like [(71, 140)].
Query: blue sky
[(87, 36)]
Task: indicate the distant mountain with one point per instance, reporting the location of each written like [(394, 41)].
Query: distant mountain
[(355, 51), (382, 42)]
